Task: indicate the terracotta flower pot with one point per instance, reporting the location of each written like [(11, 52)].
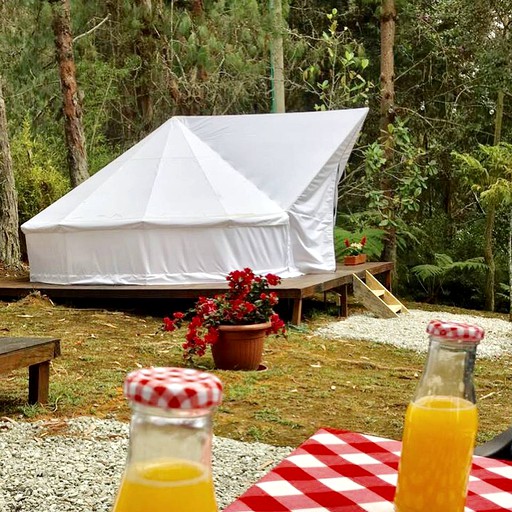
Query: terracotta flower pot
[(354, 260), (239, 347)]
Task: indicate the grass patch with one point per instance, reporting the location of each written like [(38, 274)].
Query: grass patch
[(310, 383)]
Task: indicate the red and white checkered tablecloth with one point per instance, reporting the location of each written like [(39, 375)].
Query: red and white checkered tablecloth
[(339, 471)]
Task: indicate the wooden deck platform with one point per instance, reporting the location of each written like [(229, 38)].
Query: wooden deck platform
[(295, 288)]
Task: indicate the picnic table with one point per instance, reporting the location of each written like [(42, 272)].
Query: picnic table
[(36, 353), (342, 471)]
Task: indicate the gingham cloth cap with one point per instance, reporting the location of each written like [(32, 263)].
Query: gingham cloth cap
[(173, 388), (455, 331)]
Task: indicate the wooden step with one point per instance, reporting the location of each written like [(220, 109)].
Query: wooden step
[(377, 298)]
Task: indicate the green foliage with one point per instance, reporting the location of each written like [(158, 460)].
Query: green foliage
[(336, 74), (432, 276), (217, 64), (374, 241), (438, 234), (97, 105), (504, 292), (38, 180), (408, 176), (488, 172)]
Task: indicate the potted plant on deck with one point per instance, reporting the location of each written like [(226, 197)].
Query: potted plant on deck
[(354, 252), (234, 323)]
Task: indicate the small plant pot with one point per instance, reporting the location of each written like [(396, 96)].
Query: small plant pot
[(240, 347), (354, 260)]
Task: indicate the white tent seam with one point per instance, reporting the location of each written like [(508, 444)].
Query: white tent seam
[(190, 133), (161, 159)]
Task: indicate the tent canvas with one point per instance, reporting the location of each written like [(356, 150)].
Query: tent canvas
[(201, 196)]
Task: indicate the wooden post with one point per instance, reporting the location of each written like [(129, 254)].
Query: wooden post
[(388, 279), (297, 311), (342, 301), (39, 383)]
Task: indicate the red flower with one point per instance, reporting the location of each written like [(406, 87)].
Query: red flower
[(346, 242), (273, 280), (247, 301), (249, 307), (191, 334), (212, 335), (363, 241), (169, 324), (277, 324), (273, 298)]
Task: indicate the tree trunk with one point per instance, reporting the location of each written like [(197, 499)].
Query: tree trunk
[(10, 253), (387, 116), (497, 139), (499, 117), (72, 104), (277, 57), (489, 257), (145, 48)]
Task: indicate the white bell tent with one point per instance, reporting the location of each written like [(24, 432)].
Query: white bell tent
[(200, 197)]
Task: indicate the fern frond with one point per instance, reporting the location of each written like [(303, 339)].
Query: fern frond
[(427, 271), (443, 260), (470, 264)]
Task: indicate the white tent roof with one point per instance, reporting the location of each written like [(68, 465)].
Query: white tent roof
[(260, 180), (139, 187)]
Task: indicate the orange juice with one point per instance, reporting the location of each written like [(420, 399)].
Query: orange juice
[(437, 447), (166, 486)]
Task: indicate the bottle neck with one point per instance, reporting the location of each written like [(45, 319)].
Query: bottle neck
[(448, 370), (157, 434)]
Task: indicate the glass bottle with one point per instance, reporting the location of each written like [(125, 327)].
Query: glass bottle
[(168, 467), (440, 424)]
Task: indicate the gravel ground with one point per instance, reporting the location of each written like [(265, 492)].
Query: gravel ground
[(76, 465), (408, 331)]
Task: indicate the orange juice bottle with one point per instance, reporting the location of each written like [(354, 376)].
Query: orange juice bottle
[(440, 424), (169, 455)]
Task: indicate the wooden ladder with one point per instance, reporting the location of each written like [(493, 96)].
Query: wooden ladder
[(376, 297)]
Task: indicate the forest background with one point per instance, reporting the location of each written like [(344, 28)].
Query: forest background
[(429, 182)]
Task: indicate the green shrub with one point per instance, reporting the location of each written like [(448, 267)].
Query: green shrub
[(38, 181)]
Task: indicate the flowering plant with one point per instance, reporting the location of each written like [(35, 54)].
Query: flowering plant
[(354, 248), (248, 301)]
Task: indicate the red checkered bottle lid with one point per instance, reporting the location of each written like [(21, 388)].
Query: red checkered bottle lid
[(455, 331), (173, 388)]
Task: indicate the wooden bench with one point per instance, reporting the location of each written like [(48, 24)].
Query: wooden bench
[(36, 353)]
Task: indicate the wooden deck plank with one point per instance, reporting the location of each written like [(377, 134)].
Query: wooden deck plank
[(296, 288), (301, 286)]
